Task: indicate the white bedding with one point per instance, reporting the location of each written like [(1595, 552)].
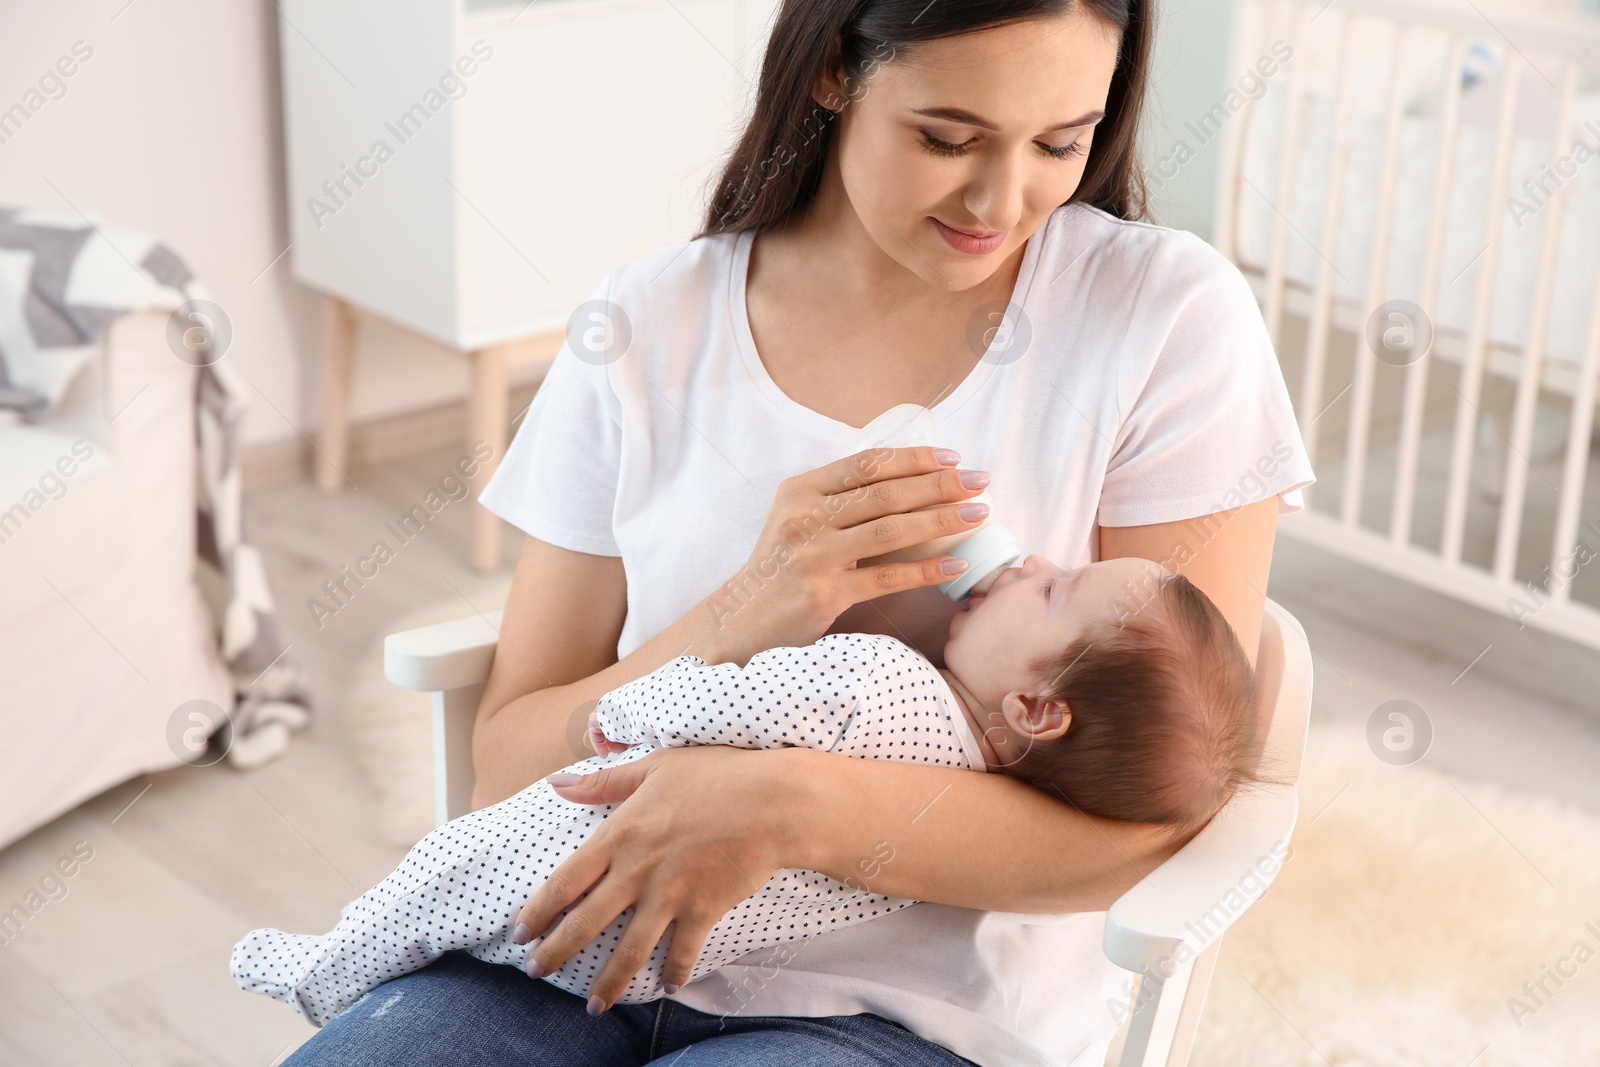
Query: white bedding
[(1519, 249)]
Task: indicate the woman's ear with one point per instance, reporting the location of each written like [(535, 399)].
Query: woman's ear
[(829, 91)]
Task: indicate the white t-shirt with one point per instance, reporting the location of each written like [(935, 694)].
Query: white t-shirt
[(1145, 390)]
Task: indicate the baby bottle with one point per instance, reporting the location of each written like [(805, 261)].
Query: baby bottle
[(988, 548)]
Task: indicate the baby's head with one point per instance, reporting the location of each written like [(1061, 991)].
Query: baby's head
[(1118, 684)]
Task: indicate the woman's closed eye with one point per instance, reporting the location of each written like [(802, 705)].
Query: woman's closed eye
[(945, 148)]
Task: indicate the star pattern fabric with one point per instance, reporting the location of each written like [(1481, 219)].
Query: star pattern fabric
[(461, 887)]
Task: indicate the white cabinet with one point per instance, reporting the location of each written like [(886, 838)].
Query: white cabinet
[(471, 168)]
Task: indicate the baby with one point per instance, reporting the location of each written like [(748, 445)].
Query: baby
[(1116, 686)]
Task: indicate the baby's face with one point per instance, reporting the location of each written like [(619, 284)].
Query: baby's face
[(1036, 610)]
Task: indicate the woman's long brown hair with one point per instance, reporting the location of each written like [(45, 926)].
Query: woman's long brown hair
[(777, 165)]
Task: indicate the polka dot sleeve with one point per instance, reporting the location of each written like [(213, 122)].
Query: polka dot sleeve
[(783, 697)]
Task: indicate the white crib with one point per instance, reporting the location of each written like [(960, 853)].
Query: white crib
[(1429, 153)]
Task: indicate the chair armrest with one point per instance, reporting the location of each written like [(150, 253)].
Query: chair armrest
[(449, 655), (450, 660), (1200, 891), (1169, 927)]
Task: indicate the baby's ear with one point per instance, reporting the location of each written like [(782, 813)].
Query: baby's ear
[(1060, 714), (1063, 710), (1044, 719)]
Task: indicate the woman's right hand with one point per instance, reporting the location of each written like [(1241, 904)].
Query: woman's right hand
[(803, 573)]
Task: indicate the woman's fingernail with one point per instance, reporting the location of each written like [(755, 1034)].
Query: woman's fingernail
[(522, 934), (973, 512), (563, 778), (533, 968), (948, 456), (974, 479), (671, 987), (596, 1006), (953, 565)]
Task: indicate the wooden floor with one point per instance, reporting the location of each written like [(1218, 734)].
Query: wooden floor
[(130, 965)]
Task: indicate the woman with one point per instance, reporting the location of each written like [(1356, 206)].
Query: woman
[(914, 214)]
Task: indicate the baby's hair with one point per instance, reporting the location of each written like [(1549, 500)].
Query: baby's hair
[(1163, 706)]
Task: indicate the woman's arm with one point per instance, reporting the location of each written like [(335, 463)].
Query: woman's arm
[(1019, 848), (555, 657), (1227, 555)]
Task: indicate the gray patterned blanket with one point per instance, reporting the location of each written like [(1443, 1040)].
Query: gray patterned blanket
[(63, 281)]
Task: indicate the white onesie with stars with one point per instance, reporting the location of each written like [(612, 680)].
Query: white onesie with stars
[(462, 886)]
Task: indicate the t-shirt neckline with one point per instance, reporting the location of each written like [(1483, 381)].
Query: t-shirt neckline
[(739, 308)]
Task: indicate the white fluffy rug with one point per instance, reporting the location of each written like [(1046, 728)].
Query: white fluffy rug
[(1411, 913)]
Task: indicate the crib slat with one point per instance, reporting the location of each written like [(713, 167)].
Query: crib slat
[(1288, 159), (1575, 467), (1509, 534), (1471, 387), (1322, 296), (1416, 385), (1365, 360)]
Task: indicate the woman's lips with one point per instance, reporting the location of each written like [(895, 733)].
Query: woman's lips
[(962, 241)]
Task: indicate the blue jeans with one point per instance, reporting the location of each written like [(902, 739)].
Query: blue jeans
[(460, 1010)]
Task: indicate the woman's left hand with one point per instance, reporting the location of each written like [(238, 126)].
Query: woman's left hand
[(697, 830)]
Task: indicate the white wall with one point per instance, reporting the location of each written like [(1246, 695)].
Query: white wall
[(1188, 78), (173, 126)]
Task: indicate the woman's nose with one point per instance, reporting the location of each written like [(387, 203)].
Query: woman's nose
[(998, 195)]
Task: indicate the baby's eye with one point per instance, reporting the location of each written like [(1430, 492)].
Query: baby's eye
[(1047, 586)]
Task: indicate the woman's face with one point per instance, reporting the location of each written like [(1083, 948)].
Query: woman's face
[(1018, 104)]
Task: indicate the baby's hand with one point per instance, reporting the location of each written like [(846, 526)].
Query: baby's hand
[(597, 738)]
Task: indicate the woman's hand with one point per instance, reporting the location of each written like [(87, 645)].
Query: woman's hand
[(677, 852), (805, 572)]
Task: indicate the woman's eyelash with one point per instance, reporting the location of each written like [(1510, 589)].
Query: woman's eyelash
[(941, 148), (945, 148)]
